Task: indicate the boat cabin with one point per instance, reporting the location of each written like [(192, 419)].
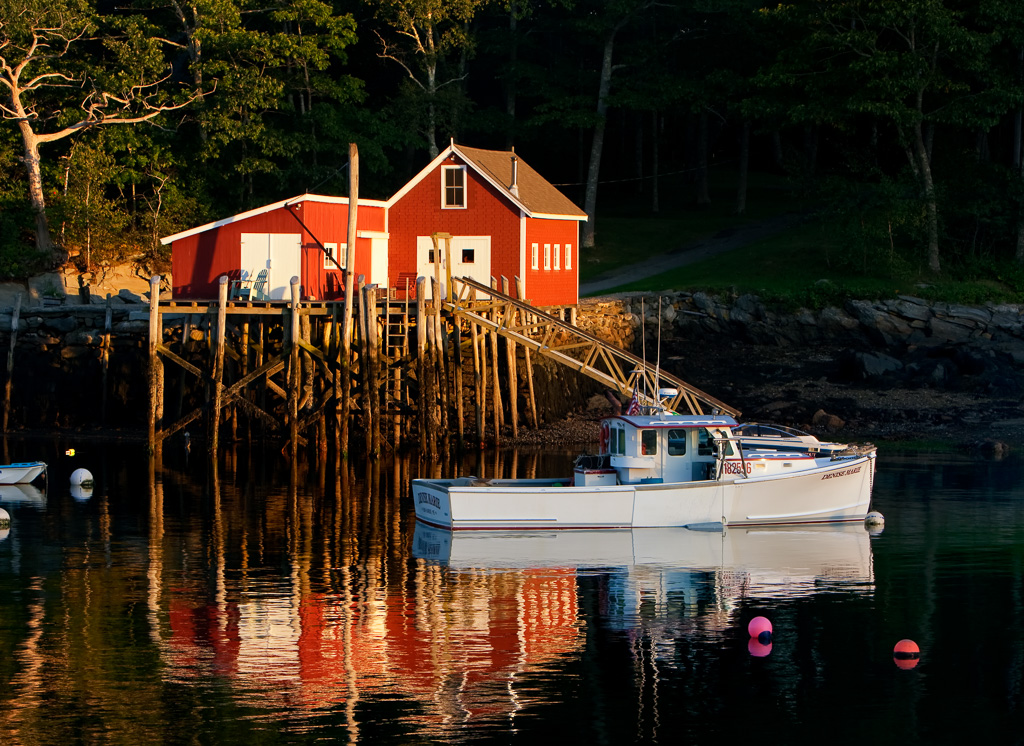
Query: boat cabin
[(664, 448)]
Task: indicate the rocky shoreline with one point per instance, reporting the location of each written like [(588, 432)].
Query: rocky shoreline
[(886, 371)]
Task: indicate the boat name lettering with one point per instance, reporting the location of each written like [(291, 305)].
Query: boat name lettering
[(732, 467), (423, 497), (843, 473)]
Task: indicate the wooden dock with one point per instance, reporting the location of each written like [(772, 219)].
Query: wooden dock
[(421, 372)]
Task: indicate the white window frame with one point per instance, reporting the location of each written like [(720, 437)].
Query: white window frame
[(444, 188), (558, 256), (338, 251), (547, 256), (535, 256), (568, 256)]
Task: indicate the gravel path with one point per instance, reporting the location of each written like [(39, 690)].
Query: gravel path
[(726, 240)]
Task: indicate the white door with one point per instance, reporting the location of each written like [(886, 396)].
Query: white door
[(278, 253), (470, 257), (379, 262)]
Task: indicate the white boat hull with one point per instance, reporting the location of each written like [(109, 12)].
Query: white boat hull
[(21, 473), (839, 491)]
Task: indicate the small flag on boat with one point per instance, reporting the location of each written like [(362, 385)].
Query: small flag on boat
[(634, 405)]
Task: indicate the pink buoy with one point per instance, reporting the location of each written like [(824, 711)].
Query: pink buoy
[(906, 654), (761, 629), (757, 648)]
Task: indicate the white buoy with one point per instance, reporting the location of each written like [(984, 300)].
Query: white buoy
[(81, 477), (81, 492), (874, 518), (5, 519)]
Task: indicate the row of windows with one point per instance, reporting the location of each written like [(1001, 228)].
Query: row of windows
[(551, 251), (676, 442)]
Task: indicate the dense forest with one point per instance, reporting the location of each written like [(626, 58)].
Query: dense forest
[(129, 120)]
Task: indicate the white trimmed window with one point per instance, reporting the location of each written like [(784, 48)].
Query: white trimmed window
[(558, 256), (338, 251), (533, 256), (547, 256), (453, 187), (568, 256)]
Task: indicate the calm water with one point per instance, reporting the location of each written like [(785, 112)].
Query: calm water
[(255, 604)]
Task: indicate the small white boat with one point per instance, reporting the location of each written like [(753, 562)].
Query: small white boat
[(21, 473), (662, 469)]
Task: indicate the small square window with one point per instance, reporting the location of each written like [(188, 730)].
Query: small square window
[(453, 187), (533, 256), (334, 251), (468, 256)]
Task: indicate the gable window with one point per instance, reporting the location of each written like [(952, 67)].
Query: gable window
[(547, 256), (533, 256), (453, 187), (558, 252), (338, 252), (568, 256)]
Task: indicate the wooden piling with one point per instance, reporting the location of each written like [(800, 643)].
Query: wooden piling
[(156, 389), (421, 363), (528, 363), (293, 372), (218, 365)]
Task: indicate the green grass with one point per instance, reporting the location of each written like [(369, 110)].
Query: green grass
[(802, 266), (628, 232)]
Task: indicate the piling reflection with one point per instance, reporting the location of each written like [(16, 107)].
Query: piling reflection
[(308, 597)]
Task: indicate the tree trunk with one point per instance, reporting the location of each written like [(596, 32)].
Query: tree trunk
[(703, 191), (923, 168), (37, 198), (744, 166), (597, 144)]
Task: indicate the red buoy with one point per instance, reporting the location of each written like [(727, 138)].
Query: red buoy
[(760, 628), (758, 649), (906, 654)]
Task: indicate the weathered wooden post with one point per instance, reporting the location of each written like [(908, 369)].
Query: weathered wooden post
[(499, 415), (218, 364), (156, 368), (374, 371), (510, 350), (421, 363), (294, 373), (479, 384), (350, 265), (528, 362)]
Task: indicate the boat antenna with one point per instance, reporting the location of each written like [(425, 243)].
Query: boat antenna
[(643, 341), (657, 366)]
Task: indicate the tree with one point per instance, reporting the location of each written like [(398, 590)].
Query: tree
[(914, 65), (431, 43), (52, 95)]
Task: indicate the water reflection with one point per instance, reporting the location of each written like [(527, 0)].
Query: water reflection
[(251, 600)]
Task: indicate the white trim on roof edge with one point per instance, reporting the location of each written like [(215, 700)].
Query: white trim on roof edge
[(265, 209)]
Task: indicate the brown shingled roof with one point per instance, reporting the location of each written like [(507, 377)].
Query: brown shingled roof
[(536, 193)]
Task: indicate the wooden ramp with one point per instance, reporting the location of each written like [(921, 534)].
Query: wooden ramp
[(558, 340)]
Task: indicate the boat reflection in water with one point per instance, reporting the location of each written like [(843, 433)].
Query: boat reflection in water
[(26, 494), (709, 572)]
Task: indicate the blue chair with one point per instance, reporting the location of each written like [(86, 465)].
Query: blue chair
[(259, 287)]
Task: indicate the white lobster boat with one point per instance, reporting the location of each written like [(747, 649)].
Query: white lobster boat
[(21, 473), (662, 470)]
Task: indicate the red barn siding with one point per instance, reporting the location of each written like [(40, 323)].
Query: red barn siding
[(198, 261), (552, 287), (419, 213)]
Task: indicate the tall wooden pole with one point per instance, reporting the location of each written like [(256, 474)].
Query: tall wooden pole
[(295, 373), (350, 265), (156, 370), (218, 364), (421, 363)]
